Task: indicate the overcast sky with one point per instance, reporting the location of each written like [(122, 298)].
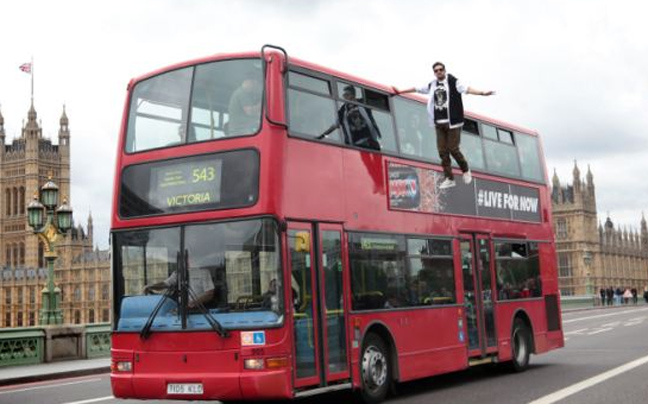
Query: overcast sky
[(575, 71)]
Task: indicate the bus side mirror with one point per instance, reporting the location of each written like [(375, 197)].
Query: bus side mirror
[(302, 241)]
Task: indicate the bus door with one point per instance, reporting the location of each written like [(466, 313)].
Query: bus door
[(315, 260), (476, 265)]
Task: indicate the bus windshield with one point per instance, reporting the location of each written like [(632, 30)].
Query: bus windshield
[(193, 104), (232, 269)]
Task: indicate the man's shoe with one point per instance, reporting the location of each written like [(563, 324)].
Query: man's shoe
[(447, 183), (467, 177)]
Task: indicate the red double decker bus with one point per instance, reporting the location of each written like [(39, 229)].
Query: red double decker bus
[(279, 231)]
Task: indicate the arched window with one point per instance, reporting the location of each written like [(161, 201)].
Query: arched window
[(22, 254), (22, 200), (8, 256), (77, 317), (8, 201), (15, 201), (91, 315)]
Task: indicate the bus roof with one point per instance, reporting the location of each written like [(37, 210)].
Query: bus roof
[(329, 71)]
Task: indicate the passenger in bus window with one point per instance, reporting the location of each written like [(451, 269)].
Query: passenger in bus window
[(245, 108), (357, 123), (446, 115), (412, 136)]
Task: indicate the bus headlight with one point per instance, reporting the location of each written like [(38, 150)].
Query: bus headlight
[(122, 366), (254, 364)]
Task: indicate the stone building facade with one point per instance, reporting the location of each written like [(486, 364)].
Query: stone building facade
[(592, 255), (81, 271)]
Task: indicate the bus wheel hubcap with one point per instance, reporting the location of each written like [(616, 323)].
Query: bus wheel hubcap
[(374, 367)]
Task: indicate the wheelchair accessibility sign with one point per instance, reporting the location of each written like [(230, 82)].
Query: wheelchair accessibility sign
[(253, 338)]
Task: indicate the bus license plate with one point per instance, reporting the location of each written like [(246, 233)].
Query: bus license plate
[(184, 388)]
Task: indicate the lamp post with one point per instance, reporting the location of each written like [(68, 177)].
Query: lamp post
[(48, 228), (587, 259)]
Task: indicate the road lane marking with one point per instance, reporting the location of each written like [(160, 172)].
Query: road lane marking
[(50, 386), (576, 331), (592, 381), (600, 330), (91, 400), (602, 315)]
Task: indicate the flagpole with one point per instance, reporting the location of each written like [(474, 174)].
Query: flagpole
[(32, 80)]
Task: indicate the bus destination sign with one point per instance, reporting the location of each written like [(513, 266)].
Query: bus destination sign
[(191, 183)]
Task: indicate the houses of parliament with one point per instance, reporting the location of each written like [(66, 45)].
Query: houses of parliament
[(82, 272), (591, 254)]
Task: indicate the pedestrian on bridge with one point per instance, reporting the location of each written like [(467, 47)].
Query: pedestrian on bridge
[(602, 293)]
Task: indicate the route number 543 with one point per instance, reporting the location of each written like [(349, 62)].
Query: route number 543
[(204, 174)]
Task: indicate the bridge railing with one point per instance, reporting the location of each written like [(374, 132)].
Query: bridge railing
[(32, 345), (21, 346)]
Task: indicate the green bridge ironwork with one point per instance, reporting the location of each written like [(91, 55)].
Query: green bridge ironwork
[(25, 346)]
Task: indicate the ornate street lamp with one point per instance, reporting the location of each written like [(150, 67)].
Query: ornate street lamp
[(48, 223)]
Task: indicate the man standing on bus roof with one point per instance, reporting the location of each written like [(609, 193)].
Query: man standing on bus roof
[(446, 114)]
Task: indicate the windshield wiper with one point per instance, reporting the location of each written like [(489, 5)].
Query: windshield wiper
[(146, 330), (215, 325)]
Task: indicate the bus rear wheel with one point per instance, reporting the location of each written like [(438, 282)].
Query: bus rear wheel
[(520, 346), (375, 369)]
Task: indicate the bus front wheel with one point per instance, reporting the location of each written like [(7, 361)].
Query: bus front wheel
[(520, 346), (375, 369)]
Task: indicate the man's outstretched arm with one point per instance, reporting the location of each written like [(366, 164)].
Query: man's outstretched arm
[(474, 91)]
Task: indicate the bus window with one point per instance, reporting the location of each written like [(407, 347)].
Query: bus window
[(518, 270), (416, 137), (309, 83), (501, 158), (377, 100), (529, 157), (364, 126), (158, 111), (505, 136), (311, 115), (471, 146), (378, 276), (431, 272), (387, 137), (471, 126), (489, 132), (346, 87), (225, 101)]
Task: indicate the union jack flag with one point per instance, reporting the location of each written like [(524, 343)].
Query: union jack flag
[(26, 67)]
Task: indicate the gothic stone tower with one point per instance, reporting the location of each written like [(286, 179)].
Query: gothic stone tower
[(25, 166), (82, 272), (577, 240)]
